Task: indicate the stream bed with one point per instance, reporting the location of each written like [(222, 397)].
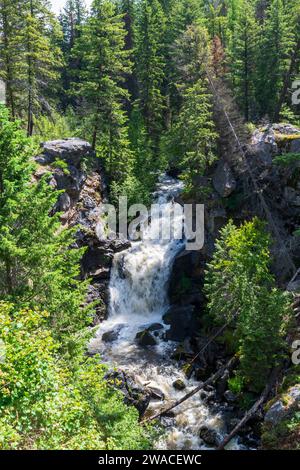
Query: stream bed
[(138, 300)]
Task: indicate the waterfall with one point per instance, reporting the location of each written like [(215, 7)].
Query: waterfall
[(138, 298)]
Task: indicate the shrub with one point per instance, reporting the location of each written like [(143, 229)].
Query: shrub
[(48, 403), (240, 288)]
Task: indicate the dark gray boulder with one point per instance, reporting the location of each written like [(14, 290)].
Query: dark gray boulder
[(209, 436), (223, 179), (145, 338), (179, 384), (182, 322)]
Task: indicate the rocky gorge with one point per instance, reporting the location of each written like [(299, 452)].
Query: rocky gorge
[(77, 172)]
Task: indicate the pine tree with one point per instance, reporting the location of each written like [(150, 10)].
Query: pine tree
[(151, 67), (242, 58), (293, 60), (127, 8), (9, 52), (71, 19), (195, 133), (37, 266), (241, 290), (104, 65), (38, 68), (191, 140), (275, 46)]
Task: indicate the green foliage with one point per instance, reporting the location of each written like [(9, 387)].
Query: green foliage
[(276, 43), (150, 57), (190, 143), (37, 265), (72, 17), (48, 403), (100, 48), (52, 396), (239, 283), (242, 56), (287, 159), (30, 58), (55, 127), (235, 384)]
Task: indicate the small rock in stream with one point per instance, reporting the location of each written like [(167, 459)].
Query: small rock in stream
[(112, 335), (145, 338), (209, 436), (179, 384), (156, 394), (230, 397)]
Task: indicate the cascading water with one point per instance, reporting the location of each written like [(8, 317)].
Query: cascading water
[(138, 298)]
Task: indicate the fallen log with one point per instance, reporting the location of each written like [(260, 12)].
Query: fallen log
[(229, 365), (253, 409)]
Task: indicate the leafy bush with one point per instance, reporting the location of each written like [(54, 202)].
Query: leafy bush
[(48, 403), (240, 287)]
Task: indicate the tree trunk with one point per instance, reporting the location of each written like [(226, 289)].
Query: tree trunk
[(229, 365)]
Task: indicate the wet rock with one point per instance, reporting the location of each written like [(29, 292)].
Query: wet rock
[(182, 322), (210, 353), (222, 384), (112, 335), (187, 278), (209, 436), (170, 414), (203, 394), (156, 393), (252, 441), (145, 338), (202, 373), (223, 179), (179, 384), (155, 327), (230, 397), (181, 353)]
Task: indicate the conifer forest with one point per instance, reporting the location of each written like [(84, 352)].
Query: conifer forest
[(187, 112)]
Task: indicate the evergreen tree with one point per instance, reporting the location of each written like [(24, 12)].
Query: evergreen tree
[(37, 266), (128, 10), (293, 60), (241, 290), (9, 51), (38, 69), (190, 143), (48, 402), (71, 19), (104, 65), (275, 46), (243, 58), (151, 67)]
